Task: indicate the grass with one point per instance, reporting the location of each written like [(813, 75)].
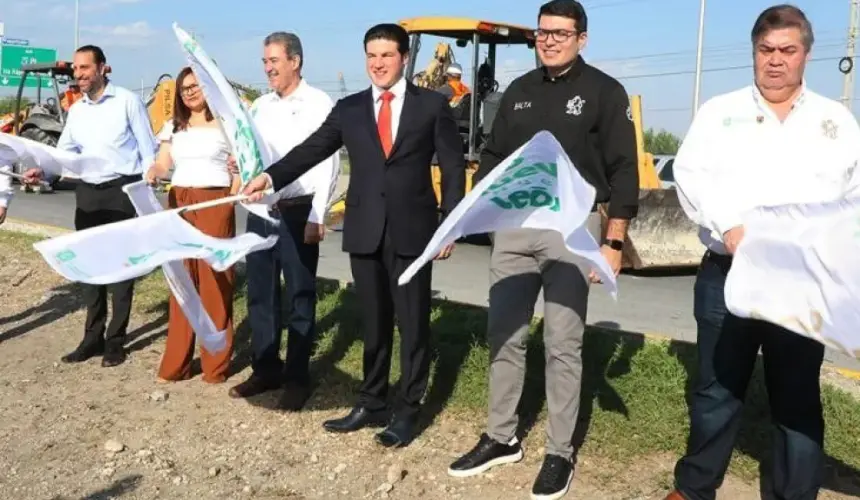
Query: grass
[(633, 395)]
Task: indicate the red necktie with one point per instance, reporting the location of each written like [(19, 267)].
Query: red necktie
[(383, 124)]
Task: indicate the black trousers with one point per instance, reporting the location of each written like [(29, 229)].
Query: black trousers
[(380, 299), (728, 347), (98, 205)]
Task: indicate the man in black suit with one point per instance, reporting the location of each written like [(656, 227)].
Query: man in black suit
[(391, 131)]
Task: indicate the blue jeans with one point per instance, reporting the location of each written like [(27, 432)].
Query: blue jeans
[(298, 263), (727, 351)]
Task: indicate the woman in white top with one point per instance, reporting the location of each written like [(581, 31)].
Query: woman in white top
[(194, 145)]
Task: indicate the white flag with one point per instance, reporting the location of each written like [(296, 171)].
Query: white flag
[(797, 267), (31, 154), (252, 153), (214, 341), (535, 187), (132, 248)]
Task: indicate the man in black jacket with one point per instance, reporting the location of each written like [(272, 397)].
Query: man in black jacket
[(589, 113), (391, 131)]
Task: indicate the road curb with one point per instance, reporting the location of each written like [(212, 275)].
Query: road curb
[(33, 228)]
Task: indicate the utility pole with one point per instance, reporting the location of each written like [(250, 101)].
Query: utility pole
[(848, 79), (697, 89), (77, 24)]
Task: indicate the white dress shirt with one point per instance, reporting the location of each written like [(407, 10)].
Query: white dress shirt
[(284, 123), (6, 191), (738, 156), (199, 156), (399, 91), (116, 127)]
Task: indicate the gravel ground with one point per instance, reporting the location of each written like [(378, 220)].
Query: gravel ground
[(83, 431)]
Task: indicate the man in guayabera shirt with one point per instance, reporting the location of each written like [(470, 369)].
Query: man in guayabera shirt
[(771, 143), (112, 123), (588, 112)]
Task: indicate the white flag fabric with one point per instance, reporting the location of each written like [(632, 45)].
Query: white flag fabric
[(214, 341), (252, 153), (535, 187), (797, 267), (31, 154), (135, 247)]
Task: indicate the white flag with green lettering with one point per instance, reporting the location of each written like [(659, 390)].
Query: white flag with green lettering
[(535, 187)]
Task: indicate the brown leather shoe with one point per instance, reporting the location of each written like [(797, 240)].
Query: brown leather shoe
[(252, 387), (675, 495)]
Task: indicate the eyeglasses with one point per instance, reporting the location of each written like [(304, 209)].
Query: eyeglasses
[(190, 90), (557, 35)]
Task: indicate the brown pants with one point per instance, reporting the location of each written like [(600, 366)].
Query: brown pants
[(216, 291)]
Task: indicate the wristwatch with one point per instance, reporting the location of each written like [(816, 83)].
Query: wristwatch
[(614, 244)]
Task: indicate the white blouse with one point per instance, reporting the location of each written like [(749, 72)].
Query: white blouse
[(199, 156)]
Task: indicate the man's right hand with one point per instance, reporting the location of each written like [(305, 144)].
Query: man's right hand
[(732, 238), (33, 176), (151, 176), (256, 189)]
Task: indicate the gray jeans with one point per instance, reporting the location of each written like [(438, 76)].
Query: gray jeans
[(523, 261)]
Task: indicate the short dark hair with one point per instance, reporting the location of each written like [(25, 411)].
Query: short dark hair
[(780, 17), (391, 32), (291, 43), (570, 9), (96, 51)]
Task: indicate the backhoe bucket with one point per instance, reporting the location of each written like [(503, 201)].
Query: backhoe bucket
[(661, 235)]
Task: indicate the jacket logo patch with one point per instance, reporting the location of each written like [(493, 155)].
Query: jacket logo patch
[(522, 105), (574, 106)]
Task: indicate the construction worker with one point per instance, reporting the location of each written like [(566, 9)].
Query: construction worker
[(786, 145), (454, 89), (588, 112), (71, 96)]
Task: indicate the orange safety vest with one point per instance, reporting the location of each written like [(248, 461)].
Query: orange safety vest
[(460, 89)]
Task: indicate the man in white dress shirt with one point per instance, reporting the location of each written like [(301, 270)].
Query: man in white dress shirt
[(772, 143), (285, 117), (6, 192)]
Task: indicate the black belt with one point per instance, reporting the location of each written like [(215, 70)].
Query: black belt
[(113, 183), (721, 260)]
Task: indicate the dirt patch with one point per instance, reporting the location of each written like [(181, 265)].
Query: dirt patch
[(83, 431)]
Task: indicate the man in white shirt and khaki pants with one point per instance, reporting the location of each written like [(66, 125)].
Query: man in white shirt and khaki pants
[(772, 143), (286, 117)]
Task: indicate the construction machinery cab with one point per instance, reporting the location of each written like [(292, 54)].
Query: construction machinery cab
[(484, 94)]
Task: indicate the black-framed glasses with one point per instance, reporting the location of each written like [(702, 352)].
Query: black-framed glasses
[(190, 90), (559, 36)]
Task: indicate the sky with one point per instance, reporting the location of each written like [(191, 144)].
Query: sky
[(649, 45)]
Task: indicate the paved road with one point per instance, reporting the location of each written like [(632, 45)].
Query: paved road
[(659, 305)]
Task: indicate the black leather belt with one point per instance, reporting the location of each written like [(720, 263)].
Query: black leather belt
[(113, 183), (722, 260)]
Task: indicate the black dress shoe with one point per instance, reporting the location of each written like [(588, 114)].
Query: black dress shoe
[(254, 386), (113, 357), (399, 433), (295, 396), (358, 418), (83, 352)]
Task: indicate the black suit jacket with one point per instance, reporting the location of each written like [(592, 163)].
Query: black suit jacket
[(397, 191)]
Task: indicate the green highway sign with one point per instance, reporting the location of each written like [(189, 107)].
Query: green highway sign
[(13, 56)]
